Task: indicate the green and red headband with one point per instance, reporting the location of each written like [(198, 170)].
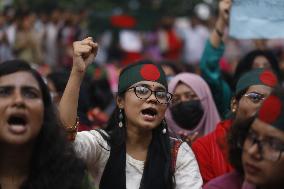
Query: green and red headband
[(258, 76), (141, 71), (272, 109)]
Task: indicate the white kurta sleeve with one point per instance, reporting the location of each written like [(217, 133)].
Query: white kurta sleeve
[(91, 147), (187, 174)]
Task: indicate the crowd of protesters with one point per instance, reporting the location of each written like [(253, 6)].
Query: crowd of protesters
[(40, 38), (179, 106)]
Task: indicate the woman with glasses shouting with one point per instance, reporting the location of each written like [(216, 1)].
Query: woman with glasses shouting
[(135, 150), (256, 149), (211, 151)]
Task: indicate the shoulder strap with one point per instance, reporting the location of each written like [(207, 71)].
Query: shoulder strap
[(103, 133), (175, 144), (105, 136)]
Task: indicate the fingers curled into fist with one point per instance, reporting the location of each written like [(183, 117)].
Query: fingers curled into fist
[(85, 48)]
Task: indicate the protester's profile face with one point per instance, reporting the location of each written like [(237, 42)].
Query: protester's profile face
[(21, 108), (143, 113), (261, 62), (264, 166), (183, 93), (251, 101)]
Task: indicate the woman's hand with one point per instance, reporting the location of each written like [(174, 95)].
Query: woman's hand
[(84, 53), (221, 23), (224, 10)]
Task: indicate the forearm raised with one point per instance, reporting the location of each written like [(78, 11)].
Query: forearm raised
[(221, 23), (83, 55), (69, 102), (216, 36)]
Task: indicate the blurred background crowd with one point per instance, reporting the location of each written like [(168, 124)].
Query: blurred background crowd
[(174, 34)]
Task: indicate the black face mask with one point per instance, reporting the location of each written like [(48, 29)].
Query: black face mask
[(187, 114)]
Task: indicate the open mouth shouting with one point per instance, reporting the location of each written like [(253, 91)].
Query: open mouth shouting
[(149, 114), (17, 123)]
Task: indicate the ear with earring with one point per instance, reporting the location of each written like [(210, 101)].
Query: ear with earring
[(120, 117), (234, 105), (164, 123)]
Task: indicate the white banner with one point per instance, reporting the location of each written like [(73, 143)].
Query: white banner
[(257, 19)]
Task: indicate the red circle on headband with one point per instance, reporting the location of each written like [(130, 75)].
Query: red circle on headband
[(268, 78), (150, 72), (270, 109)]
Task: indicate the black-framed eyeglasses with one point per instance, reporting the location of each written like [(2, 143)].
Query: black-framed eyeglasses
[(143, 92), (255, 97), (269, 149)]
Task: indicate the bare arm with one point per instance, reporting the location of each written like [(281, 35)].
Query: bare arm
[(221, 23), (83, 54), (209, 63)]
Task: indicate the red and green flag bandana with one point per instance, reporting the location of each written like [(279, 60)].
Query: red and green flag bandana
[(258, 76), (272, 109), (141, 71)]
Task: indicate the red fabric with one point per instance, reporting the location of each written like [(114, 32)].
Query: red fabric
[(268, 78), (270, 109), (123, 21), (83, 127), (130, 57), (225, 65), (175, 148), (175, 46), (211, 152), (150, 72)]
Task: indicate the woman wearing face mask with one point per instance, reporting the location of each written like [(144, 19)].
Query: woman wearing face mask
[(211, 150), (192, 112), (260, 149), (135, 150)]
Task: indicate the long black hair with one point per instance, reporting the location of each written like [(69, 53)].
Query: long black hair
[(246, 63), (238, 133), (158, 172), (236, 138), (54, 163)]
